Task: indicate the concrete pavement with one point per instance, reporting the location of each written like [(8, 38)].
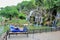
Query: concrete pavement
[(37, 36)]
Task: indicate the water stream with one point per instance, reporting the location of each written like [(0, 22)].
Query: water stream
[(28, 17), (36, 16)]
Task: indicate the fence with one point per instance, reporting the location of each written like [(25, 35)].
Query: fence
[(51, 29)]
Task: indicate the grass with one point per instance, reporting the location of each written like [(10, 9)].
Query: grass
[(19, 21), (6, 28), (38, 27), (58, 24)]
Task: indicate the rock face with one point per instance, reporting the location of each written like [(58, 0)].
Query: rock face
[(58, 15), (35, 16)]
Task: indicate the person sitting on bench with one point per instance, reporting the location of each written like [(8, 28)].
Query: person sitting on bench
[(18, 29)]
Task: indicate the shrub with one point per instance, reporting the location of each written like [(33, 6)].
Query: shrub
[(22, 16)]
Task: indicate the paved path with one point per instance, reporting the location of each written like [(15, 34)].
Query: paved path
[(37, 36)]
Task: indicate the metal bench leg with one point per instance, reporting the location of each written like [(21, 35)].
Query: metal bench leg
[(27, 34), (9, 35), (6, 37)]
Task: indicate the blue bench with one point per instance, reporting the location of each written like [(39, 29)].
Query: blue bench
[(14, 30)]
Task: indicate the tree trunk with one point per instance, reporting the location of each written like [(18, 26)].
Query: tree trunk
[(10, 17)]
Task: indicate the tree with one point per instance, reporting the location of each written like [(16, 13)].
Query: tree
[(47, 3), (25, 5), (50, 6), (9, 12), (22, 15)]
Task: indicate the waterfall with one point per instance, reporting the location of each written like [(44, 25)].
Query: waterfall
[(31, 13), (58, 15), (28, 17)]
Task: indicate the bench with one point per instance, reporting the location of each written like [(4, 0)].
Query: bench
[(17, 30), (12, 33)]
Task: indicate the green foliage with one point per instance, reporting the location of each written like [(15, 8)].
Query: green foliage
[(38, 27), (13, 11), (9, 11), (58, 23), (18, 21), (38, 2), (5, 28), (25, 5), (47, 4), (1, 19), (22, 16)]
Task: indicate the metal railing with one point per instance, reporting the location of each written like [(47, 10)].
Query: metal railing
[(51, 29)]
